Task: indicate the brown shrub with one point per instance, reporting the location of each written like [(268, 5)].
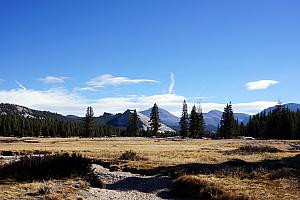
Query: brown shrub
[(251, 149), (7, 153), (131, 155), (196, 187)]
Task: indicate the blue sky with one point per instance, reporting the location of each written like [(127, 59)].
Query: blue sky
[(65, 55)]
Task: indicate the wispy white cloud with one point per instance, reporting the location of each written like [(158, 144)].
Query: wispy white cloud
[(260, 85), (110, 80), (20, 85), (1, 80), (55, 99), (53, 79), (70, 102), (172, 84)]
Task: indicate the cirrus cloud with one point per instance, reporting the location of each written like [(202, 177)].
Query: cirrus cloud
[(53, 79), (110, 80), (261, 84)]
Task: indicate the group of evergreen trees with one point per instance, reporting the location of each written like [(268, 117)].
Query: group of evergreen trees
[(193, 125), (281, 123)]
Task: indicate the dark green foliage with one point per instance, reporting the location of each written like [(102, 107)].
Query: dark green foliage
[(58, 166), (154, 120), (89, 124), (228, 124), (280, 123), (184, 121), (19, 126), (196, 123), (133, 124)]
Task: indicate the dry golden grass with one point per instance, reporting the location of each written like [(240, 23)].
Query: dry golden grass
[(163, 153), (203, 188), (48, 190), (159, 152)]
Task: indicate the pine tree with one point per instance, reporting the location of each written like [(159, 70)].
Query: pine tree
[(196, 123), (89, 122), (133, 124), (228, 123), (135, 127), (184, 121), (154, 120)]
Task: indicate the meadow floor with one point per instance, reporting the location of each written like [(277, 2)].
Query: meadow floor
[(256, 175)]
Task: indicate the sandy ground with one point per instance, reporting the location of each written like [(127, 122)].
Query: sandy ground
[(125, 185)]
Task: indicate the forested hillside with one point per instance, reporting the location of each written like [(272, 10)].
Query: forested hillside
[(21, 121)]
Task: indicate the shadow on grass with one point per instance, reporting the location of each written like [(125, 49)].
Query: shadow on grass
[(292, 163)]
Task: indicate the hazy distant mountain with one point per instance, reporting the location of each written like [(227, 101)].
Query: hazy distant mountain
[(291, 106), (212, 118), (121, 120), (165, 117)]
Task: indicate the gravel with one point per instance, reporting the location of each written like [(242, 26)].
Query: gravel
[(125, 185)]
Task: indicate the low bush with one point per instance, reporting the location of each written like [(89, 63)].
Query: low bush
[(196, 187), (131, 155), (7, 153), (251, 149), (41, 152), (57, 166)]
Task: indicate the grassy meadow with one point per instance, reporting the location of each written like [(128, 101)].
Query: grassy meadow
[(250, 169)]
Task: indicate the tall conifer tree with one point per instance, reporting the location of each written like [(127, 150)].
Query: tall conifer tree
[(89, 122), (228, 123), (154, 120), (133, 124), (184, 121)]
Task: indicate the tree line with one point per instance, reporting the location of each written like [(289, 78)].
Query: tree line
[(19, 126), (281, 123)]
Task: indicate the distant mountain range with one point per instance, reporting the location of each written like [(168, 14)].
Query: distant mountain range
[(212, 118), (169, 121), (291, 106)]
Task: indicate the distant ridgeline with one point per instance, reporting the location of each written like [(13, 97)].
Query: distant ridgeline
[(20, 121), (275, 123)]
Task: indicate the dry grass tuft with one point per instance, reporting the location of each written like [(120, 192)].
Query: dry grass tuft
[(196, 187), (132, 156)]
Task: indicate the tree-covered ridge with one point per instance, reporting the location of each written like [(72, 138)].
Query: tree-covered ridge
[(12, 109)]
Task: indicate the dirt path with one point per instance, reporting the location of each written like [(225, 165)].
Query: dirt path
[(125, 185)]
